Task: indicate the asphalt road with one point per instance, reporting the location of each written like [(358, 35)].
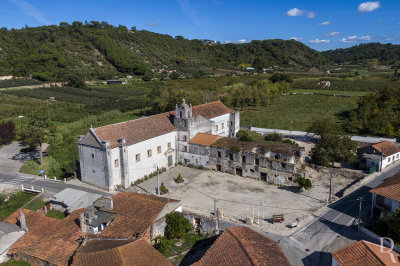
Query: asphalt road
[(311, 239), (50, 186)]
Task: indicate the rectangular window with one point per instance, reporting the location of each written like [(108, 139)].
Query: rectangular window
[(257, 161), (244, 159), (216, 128), (159, 149), (92, 155), (227, 124), (231, 156), (138, 157), (222, 126), (219, 154), (148, 153), (169, 145), (389, 159), (185, 148), (116, 163)]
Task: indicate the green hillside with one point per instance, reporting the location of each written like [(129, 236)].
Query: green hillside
[(385, 54), (101, 51)]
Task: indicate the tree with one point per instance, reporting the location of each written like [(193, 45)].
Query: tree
[(332, 146), (163, 189), (37, 127), (177, 225), (304, 182), (179, 179), (244, 136), (7, 132)]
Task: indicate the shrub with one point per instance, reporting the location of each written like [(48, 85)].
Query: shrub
[(179, 179), (163, 244), (304, 182), (244, 136), (55, 214), (177, 225), (7, 132), (163, 189), (273, 137)]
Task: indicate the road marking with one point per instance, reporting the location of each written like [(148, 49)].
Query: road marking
[(297, 242)]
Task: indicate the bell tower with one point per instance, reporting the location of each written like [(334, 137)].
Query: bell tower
[(183, 115)]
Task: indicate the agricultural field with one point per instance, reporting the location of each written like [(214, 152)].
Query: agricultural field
[(301, 109), (18, 82)]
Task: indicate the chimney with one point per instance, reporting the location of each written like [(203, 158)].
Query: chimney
[(82, 222), (108, 203), (22, 221)]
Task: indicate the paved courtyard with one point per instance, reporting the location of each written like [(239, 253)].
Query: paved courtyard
[(239, 197)]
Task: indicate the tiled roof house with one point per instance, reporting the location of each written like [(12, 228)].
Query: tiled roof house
[(387, 194), (119, 154), (243, 246), (364, 253), (380, 154)]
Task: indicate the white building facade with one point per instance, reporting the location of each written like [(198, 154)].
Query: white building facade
[(117, 155)]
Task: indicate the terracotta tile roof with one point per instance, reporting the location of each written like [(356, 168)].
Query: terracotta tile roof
[(137, 130), (390, 188), (364, 253), (204, 139), (137, 212), (243, 246), (388, 148), (210, 110), (48, 239), (139, 252)]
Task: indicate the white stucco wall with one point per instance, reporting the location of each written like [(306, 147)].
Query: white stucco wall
[(115, 171), (219, 121), (148, 165)]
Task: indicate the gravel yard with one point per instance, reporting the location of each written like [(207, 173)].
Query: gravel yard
[(239, 197)]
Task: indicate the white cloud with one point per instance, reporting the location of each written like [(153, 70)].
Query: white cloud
[(295, 12), (228, 41), (368, 6), (242, 41), (311, 14), (331, 34), (325, 23), (296, 38), (318, 41), (356, 38), (153, 24), (30, 10)]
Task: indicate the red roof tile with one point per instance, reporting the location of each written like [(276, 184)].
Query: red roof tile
[(137, 212), (243, 246), (137, 130), (48, 239), (139, 252), (204, 139), (365, 253), (388, 148), (390, 188)]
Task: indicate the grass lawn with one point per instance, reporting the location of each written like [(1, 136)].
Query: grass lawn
[(15, 202), (55, 214), (15, 263), (332, 92), (33, 167), (35, 204), (177, 248), (301, 109)]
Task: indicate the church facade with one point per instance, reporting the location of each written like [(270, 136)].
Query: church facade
[(119, 154)]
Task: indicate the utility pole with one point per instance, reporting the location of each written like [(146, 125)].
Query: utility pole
[(215, 207), (263, 212), (158, 182), (359, 214), (330, 187)]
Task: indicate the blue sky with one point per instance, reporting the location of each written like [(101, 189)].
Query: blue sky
[(321, 24)]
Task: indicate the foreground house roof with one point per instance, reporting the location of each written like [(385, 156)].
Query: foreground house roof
[(204, 139), (138, 130), (365, 253), (118, 252), (388, 148), (135, 214), (389, 188), (243, 246), (48, 239)]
